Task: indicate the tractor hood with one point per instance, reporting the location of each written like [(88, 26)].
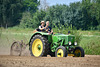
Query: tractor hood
[(67, 38)]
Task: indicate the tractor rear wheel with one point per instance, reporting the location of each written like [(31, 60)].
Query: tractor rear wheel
[(79, 52), (61, 52), (39, 46)]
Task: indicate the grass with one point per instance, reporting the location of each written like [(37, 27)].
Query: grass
[(80, 32), (8, 36), (89, 32), (91, 45)]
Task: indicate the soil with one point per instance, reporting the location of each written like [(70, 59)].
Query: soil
[(30, 61)]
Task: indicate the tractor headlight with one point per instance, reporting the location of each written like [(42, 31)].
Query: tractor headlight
[(75, 43), (70, 43)]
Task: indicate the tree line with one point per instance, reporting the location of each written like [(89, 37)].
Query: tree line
[(11, 11), (83, 15)]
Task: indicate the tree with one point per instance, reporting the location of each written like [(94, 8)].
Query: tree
[(38, 17), (10, 12), (26, 21), (30, 5), (89, 14)]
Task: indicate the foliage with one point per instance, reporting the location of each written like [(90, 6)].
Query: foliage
[(11, 11), (54, 15), (98, 27), (81, 15), (26, 21), (0, 32), (30, 5), (84, 15), (38, 17)]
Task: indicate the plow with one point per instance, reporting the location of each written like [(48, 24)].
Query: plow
[(17, 48), (42, 44)]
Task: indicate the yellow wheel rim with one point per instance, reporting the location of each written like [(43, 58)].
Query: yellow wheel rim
[(37, 47), (77, 53), (60, 53)]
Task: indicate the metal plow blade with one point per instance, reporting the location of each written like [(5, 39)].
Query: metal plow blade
[(17, 48)]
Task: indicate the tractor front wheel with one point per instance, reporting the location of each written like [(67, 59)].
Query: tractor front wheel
[(61, 52), (79, 52)]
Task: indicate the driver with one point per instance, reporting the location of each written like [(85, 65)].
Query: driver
[(41, 27), (48, 29)]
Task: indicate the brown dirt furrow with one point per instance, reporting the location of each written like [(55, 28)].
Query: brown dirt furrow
[(29, 61)]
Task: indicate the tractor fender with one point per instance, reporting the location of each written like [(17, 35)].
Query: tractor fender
[(37, 33)]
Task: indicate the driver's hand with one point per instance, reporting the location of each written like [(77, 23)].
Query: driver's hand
[(43, 27), (49, 33)]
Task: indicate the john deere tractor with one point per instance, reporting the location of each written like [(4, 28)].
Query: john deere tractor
[(58, 45)]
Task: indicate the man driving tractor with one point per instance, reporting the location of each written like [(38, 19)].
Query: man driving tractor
[(41, 27)]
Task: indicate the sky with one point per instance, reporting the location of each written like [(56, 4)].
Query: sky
[(67, 2)]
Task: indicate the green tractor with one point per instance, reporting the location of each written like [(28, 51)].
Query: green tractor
[(57, 45)]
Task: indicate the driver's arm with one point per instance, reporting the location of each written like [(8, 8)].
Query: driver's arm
[(51, 31), (41, 28)]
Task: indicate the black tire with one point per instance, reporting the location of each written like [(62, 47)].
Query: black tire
[(16, 48), (45, 45), (63, 49), (82, 54), (52, 54)]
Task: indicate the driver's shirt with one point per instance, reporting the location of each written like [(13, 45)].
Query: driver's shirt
[(41, 27)]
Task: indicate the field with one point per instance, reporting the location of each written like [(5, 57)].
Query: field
[(90, 42)]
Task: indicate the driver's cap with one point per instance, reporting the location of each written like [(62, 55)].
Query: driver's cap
[(42, 22)]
